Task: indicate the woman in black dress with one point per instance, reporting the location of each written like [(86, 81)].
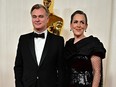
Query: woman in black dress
[(83, 55)]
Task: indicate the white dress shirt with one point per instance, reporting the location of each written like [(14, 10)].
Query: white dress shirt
[(39, 46)]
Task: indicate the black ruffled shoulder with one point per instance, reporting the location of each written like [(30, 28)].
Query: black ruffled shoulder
[(88, 46), (98, 48), (70, 49)]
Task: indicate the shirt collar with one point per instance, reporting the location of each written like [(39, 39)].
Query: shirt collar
[(45, 32)]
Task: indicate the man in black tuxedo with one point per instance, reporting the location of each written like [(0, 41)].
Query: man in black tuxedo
[(39, 61)]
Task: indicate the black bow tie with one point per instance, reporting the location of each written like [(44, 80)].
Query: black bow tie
[(38, 35)]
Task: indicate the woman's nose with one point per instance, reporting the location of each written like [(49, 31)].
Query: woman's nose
[(78, 24)]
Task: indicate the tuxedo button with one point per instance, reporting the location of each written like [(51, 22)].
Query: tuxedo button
[(37, 77)]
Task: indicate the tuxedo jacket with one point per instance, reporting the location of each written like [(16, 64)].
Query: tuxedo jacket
[(49, 72)]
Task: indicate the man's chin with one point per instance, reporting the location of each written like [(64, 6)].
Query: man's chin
[(37, 28)]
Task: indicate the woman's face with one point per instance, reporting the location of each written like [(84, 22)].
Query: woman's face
[(78, 25)]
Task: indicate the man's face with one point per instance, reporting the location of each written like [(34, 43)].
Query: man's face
[(47, 3), (39, 19)]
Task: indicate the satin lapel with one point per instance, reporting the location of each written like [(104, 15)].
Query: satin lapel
[(32, 48), (46, 47)]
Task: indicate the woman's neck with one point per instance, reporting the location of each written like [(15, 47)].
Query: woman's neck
[(78, 38)]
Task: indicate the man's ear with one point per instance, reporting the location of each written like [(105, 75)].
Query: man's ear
[(47, 19)]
